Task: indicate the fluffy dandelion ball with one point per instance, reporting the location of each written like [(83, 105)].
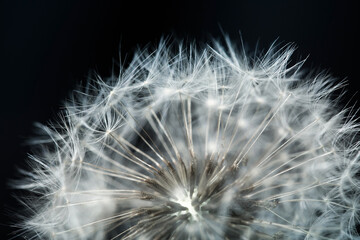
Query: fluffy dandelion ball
[(198, 144)]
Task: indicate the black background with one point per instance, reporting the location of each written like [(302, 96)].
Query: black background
[(48, 47)]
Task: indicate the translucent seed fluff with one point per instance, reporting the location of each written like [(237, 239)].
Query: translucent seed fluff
[(198, 143)]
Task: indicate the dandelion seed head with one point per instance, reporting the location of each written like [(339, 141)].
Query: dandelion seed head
[(189, 144)]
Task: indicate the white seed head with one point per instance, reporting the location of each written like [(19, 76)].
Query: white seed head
[(188, 144)]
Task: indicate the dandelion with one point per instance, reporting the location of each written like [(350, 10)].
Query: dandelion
[(198, 144)]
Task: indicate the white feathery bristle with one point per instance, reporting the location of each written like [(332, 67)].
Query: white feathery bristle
[(188, 144)]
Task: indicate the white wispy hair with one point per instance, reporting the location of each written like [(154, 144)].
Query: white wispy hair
[(199, 144)]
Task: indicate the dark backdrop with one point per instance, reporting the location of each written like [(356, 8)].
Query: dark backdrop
[(49, 46)]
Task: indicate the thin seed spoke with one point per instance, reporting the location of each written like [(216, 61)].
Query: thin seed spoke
[(269, 117)]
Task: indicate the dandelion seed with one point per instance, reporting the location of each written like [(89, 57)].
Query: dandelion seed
[(199, 145)]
